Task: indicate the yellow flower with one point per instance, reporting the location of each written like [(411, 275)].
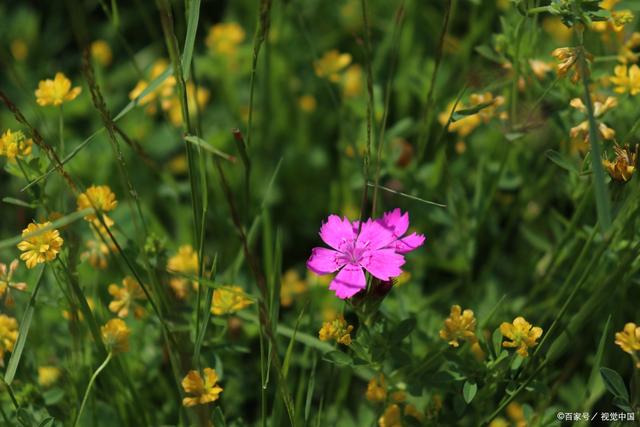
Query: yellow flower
[(377, 389), (391, 417), (19, 49), (15, 145), (197, 99), (626, 79), (101, 52), (229, 300), (56, 91), (624, 165), (627, 51), (203, 391), (8, 335), (124, 298), (467, 124), (115, 334), (292, 285), (628, 339), (352, 81), (568, 57), (331, 65), (185, 262), (600, 108), (48, 375), (522, 335), (412, 411), (7, 283), (147, 99), (41, 247), (97, 253), (460, 325), (540, 68), (516, 414), (225, 38), (99, 197), (307, 103), (336, 329), (78, 314), (499, 422)]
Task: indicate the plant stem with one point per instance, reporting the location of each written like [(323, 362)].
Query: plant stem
[(91, 381)]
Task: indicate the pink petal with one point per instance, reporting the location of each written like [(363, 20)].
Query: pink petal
[(383, 263), (324, 261), (337, 232), (409, 243), (373, 235), (348, 282), (397, 221)]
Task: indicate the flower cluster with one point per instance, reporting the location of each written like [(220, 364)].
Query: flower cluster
[(57, 91), (229, 300), (337, 68), (184, 262), (628, 339), (14, 145), (336, 329), (522, 335), (40, 244), (115, 334), (224, 39), (377, 246), (8, 335), (125, 298), (202, 390)]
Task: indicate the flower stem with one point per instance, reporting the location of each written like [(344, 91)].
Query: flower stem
[(61, 130), (91, 381)]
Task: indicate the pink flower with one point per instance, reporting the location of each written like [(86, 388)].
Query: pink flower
[(398, 223), (374, 250)]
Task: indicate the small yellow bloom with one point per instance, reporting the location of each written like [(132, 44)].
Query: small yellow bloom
[(291, 286), (392, 417), (77, 314), (540, 68), (229, 300), (460, 325), (7, 283), (97, 253), (499, 422), (337, 330), (626, 79), (39, 248), (203, 391), (467, 124), (56, 91), (412, 411), (101, 52), (331, 65), (115, 334), (307, 103), (628, 339), (225, 38), (15, 145), (377, 389), (600, 108), (8, 335), (352, 81), (522, 335), (185, 262), (99, 197), (516, 414), (628, 51), (145, 100), (568, 61), (197, 99), (125, 297), (624, 165), (48, 375)]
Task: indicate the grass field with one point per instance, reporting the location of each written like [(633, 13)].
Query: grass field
[(319, 213)]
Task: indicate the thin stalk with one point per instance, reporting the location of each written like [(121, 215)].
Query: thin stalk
[(370, 109), (61, 129), (91, 381)]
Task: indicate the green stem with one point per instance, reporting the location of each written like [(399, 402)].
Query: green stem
[(61, 130), (91, 381)]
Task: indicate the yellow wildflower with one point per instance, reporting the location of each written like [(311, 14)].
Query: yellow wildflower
[(337, 330), (392, 417), (467, 124), (115, 334), (626, 79), (19, 49), (8, 335), (352, 81), (78, 314), (99, 197), (56, 91), (97, 253), (145, 100), (568, 57), (624, 165), (600, 108), (197, 99), (101, 52), (225, 38), (48, 375), (203, 391), (307, 103), (460, 325), (627, 51), (522, 335), (39, 248), (412, 411), (516, 414), (499, 422), (540, 68), (229, 300), (377, 389), (185, 262), (15, 145), (331, 65), (291, 286), (124, 298), (628, 339), (7, 283)]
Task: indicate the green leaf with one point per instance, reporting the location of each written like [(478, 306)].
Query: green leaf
[(403, 329), (460, 114), (47, 422), (18, 202), (338, 357), (597, 363), (218, 418), (561, 161), (614, 383), (496, 340), (469, 390), (190, 39)]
